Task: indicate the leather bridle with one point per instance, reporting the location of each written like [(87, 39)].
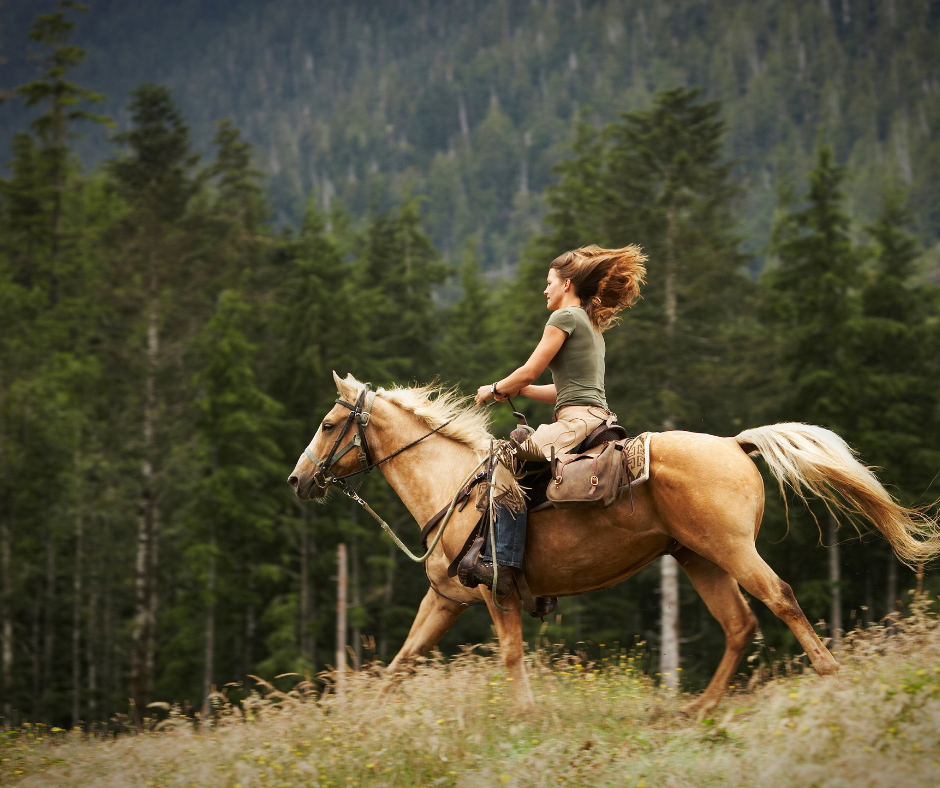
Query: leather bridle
[(361, 413)]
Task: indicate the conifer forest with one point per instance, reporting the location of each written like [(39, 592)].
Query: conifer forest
[(207, 206)]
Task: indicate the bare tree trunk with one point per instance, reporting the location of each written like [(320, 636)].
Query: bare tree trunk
[(210, 627), (77, 595), (91, 653), (340, 616), (303, 616), (251, 624), (669, 575), (108, 642), (387, 602), (143, 625), (356, 600), (154, 597), (48, 634), (835, 613), (36, 654), (669, 621), (892, 599), (312, 592), (7, 599)]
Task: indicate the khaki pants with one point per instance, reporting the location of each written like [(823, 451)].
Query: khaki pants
[(571, 426)]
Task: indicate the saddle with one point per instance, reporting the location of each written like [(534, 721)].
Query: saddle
[(595, 474)]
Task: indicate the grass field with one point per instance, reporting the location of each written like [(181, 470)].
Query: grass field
[(452, 724)]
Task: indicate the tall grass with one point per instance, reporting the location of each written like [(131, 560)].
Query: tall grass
[(452, 724)]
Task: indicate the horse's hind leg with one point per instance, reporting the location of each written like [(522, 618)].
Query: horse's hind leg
[(435, 616), (726, 603), (758, 579)]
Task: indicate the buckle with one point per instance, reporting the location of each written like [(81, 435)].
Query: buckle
[(557, 480), (594, 480), (363, 419)]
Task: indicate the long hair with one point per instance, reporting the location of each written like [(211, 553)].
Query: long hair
[(606, 280)]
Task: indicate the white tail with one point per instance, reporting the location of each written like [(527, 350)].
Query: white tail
[(802, 455)]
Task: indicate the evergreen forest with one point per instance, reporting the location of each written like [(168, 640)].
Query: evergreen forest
[(285, 190)]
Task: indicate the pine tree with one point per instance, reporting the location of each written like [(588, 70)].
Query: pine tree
[(813, 302), (469, 339), (238, 457), (53, 127), (155, 177), (895, 424)]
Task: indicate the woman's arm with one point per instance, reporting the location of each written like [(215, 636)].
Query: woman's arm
[(540, 393), (552, 340)]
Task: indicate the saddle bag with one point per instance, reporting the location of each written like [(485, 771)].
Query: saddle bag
[(587, 481)]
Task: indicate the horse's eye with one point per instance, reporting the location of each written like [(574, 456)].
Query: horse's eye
[(327, 427)]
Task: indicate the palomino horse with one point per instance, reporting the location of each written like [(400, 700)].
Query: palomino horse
[(703, 504)]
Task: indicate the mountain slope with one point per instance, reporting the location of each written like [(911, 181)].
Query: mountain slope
[(473, 103)]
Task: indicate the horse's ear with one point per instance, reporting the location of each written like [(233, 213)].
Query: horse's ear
[(347, 386)]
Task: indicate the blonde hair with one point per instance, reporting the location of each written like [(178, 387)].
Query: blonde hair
[(606, 280)]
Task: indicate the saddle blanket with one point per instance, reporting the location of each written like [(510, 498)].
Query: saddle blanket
[(637, 455)]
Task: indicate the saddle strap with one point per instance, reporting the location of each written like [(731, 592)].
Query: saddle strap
[(522, 586), (464, 500)]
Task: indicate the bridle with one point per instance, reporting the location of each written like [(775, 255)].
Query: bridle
[(361, 414)]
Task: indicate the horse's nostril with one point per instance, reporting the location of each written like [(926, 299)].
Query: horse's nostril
[(293, 481)]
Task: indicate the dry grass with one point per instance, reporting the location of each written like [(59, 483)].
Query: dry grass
[(452, 724)]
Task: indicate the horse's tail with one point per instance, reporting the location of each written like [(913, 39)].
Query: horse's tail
[(804, 456)]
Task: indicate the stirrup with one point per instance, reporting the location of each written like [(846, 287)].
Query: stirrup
[(544, 606)]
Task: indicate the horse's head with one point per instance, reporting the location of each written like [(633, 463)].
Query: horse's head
[(331, 452)]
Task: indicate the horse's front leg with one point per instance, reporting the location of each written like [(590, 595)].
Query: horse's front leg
[(509, 633), (435, 616)]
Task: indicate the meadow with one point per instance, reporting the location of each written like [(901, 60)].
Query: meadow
[(601, 723)]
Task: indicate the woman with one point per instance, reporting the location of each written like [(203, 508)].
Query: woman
[(585, 290)]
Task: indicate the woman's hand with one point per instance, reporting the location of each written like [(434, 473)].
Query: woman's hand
[(486, 391), (483, 394)]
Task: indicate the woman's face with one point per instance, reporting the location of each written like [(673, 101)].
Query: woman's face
[(555, 289)]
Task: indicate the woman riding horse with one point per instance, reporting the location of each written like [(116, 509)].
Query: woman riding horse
[(586, 289)]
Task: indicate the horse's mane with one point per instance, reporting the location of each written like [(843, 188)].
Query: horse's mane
[(436, 405)]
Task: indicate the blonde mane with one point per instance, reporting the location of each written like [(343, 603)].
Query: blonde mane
[(437, 405)]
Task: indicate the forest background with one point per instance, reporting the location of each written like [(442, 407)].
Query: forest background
[(378, 188)]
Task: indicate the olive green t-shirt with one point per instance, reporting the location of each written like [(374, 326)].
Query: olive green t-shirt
[(578, 368)]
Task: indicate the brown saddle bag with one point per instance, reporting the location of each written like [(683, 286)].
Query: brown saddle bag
[(587, 481)]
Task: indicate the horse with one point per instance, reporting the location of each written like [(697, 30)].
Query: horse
[(702, 503)]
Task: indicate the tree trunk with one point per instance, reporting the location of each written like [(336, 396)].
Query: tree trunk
[(143, 581), (7, 624), (77, 595), (107, 666), (387, 602), (669, 621), (48, 634), (303, 616), (340, 616), (835, 612), (356, 601), (251, 624), (91, 653), (892, 598), (669, 575), (210, 627), (154, 597)]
